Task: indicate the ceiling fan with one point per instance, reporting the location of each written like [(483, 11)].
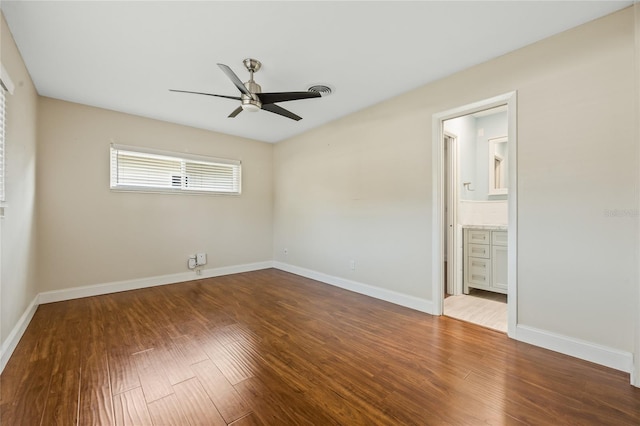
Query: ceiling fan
[(251, 96)]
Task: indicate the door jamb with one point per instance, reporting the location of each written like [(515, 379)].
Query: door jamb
[(453, 280)]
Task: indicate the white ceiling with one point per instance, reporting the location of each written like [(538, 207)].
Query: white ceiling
[(124, 56)]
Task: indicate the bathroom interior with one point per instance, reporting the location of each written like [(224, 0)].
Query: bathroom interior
[(476, 190)]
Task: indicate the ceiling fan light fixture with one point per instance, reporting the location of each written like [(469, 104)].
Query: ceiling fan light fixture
[(250, 107)]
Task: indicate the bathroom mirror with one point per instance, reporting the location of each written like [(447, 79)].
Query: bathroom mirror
[(498, 166)]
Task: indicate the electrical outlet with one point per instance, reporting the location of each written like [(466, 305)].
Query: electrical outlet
[(191, 263), (201, 259), (285, 251), (352, 265)]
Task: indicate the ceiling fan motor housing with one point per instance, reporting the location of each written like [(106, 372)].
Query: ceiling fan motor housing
[(251, 103)]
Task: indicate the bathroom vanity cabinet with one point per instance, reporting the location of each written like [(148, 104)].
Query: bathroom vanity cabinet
[(485, 258)]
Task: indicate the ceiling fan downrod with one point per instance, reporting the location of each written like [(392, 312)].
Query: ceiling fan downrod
[(251, 103)]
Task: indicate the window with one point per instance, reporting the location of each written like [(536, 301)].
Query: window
[(2, 125), (6, 85), (142, 169)]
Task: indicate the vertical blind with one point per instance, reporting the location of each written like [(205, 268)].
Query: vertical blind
[(143, 169)]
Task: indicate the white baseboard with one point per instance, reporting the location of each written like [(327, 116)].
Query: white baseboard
[(235, 269), (407, 301), (114, 287), (588, 351), (10, 343)]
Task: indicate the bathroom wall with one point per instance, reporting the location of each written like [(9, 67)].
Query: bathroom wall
[(473, 132), (482, 212), (487, 127), (464, 130)]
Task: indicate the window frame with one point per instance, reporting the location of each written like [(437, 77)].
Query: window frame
[(3, 144), (184, 159), (7, 88)]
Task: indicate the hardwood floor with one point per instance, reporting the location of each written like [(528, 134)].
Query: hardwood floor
[(272, 348)]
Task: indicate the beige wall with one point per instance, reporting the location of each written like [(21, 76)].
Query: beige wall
[(91, 235), (18, 228), (360, 188)]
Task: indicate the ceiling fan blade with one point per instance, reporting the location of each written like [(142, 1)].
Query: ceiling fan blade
[(270, 98), (234, 78), (235, 112), (207, 94), (281, 111)]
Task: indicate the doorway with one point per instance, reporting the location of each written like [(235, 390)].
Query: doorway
[(475, 221)]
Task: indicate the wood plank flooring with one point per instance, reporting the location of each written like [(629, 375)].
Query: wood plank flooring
[(272, 348)]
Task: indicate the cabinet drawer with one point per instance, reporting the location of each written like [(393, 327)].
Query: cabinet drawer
[(478, 250), (499, 238), (478, 236), (479, 271)]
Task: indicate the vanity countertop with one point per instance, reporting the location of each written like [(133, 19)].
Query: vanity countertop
[(488, 227)]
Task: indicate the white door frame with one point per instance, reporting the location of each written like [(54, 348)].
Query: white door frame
[(509, 99), (454, 281)]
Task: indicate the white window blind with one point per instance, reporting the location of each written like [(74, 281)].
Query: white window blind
[(2, 128), (143, 169), (6, 86)]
